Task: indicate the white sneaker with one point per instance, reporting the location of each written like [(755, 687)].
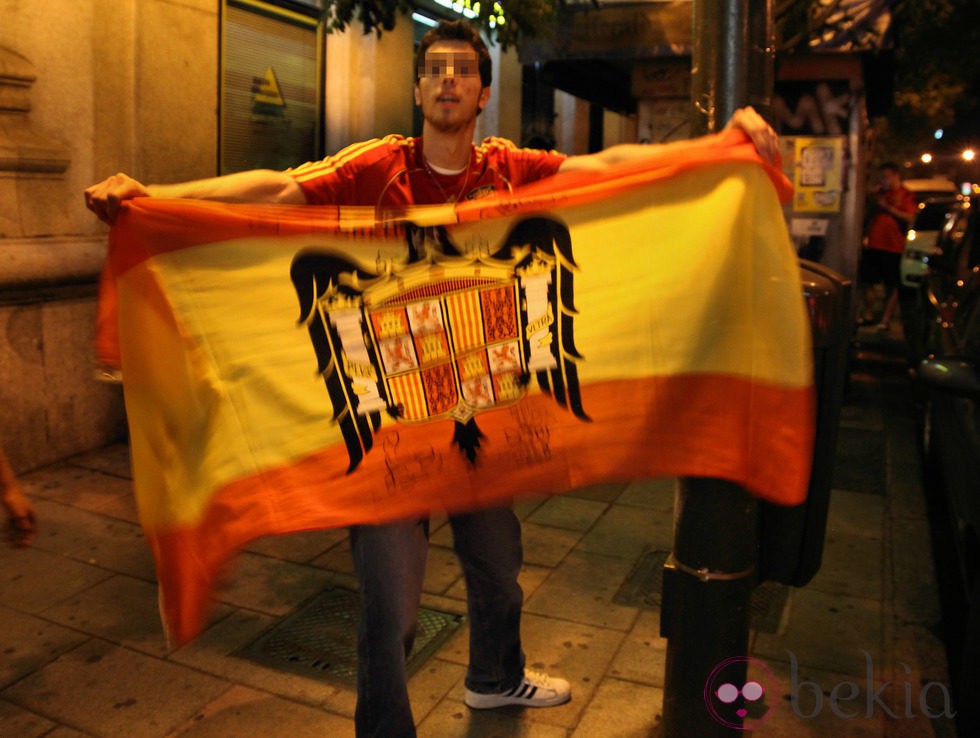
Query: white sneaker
[(535, 690)]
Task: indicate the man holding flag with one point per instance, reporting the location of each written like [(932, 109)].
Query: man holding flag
[(442, 166)]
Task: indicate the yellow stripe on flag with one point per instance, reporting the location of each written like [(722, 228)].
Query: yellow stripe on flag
[(466, 319)]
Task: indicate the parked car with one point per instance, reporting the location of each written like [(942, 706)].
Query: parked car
[(920, 243), (927, 187), (951, 422), (920, 249)]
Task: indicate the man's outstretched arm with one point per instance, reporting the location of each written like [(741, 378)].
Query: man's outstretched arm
[(761, 134), (256, 186)]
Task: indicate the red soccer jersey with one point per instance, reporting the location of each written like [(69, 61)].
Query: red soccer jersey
[(886, 232), (390, 173)]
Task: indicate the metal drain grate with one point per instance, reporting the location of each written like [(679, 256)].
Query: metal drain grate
[(767, 606), (319, 640), (643, 586)]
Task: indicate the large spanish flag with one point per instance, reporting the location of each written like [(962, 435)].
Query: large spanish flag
[(293, 368)]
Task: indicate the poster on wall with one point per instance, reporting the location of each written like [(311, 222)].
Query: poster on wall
[(817, 174)]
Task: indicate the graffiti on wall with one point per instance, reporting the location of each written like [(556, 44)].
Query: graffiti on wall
[(812, 107)]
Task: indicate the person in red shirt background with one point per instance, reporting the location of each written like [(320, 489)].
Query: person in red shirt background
[(892, 213)]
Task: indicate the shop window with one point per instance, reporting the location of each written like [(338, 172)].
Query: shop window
[(271, 84)]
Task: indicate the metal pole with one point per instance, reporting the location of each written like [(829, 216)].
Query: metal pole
[(732, 60), (707, 584), (718, 62), (709, 577)]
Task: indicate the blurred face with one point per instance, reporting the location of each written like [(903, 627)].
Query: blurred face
[(888, 179), (449, 89)]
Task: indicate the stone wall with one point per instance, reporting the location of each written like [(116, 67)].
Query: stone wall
[(47, 277), (87, 88)]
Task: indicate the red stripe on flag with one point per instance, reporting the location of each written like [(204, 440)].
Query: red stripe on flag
[(692, 426)]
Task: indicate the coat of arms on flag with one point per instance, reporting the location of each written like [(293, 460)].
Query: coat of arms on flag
[(442, 334)]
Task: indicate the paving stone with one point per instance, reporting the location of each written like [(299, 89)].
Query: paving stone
[(851, 565), (123, 507), (27, 643), (562, 594), (87, 489), (32, 579), (526, 506), (107, 542), (337, 558), (436, 681), (622, 709), (106, 690), (571, 513), (828, 632), (269, 585), (16, 721), (580, 653), (857, 514), (642, 656), (122, 609), (453, 719), (65, 732), (247, 713), (576, 652), (301, 547), (113, 459), (530, 579), (442, 570), (861, 461), (654, 493), (912, 574), (799, 703), (627, 532), (608, 492), (548, 546)]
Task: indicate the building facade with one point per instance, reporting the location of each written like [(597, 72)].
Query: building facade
[(93, 87), (171, 90)]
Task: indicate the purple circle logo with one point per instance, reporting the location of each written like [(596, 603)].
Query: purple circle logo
[(740, 693)]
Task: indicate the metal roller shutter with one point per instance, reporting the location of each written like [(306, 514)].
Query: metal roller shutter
[(270, 87)]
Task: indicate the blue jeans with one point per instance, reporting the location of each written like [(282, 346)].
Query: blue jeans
[(390, 564)]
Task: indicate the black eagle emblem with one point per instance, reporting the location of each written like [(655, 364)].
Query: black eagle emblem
[(443, 332)]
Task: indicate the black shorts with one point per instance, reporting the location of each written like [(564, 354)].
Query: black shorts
[(881, 267)]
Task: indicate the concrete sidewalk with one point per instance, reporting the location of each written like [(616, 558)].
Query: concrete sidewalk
[(83, 653)]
